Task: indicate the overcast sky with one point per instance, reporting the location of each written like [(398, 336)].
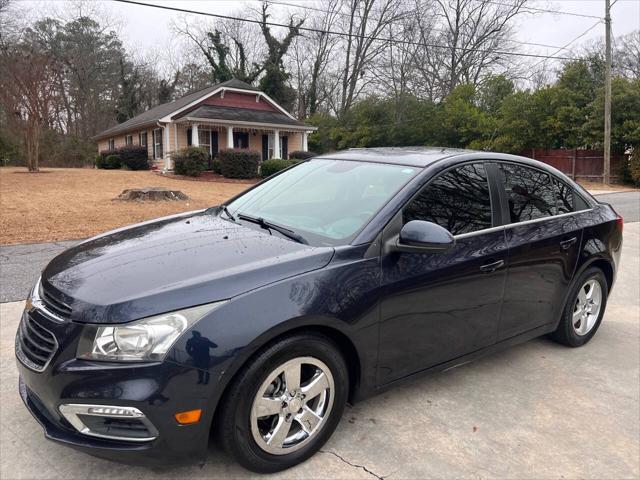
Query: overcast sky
[(144, 28)]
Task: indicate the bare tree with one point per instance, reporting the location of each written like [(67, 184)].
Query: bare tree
[(395, 70), (366, 22), (627, 55), (463, 40), (27, 92), (223, 46), (311, 58)]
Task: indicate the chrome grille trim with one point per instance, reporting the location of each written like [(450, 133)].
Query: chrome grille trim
[(35, 345)]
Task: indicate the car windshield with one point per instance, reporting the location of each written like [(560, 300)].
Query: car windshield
[(324, 201)]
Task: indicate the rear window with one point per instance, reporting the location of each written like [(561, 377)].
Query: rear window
[(530, 193)]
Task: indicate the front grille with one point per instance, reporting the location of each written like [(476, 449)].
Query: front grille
[(55, 306), (35, 345)]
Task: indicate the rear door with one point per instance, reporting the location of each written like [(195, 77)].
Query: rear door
[(543, 237)]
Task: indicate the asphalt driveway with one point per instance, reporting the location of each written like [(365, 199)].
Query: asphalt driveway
[(538, 410)]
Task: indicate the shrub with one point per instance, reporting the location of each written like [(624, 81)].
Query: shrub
[(215, 166), (301, 155), (110, 162), (634, 166), (191, 161), (269, 167), (133, 157), (98, 161), (239, 163)]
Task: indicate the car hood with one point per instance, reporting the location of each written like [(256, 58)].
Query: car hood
[(172, 263)]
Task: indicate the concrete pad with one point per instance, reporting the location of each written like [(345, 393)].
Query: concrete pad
[(538, 410)]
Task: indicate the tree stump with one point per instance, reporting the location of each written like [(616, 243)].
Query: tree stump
[(151, 194)]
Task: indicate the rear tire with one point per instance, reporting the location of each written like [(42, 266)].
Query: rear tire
[(273, 418), (584, 309)]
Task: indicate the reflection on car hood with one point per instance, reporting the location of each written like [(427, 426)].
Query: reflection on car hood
[(172, 263)]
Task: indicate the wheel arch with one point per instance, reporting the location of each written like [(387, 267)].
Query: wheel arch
[(342, 341)]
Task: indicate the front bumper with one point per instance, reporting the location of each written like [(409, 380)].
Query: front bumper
[(159, 390)]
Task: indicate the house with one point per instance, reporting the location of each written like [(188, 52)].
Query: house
[(231, 114)]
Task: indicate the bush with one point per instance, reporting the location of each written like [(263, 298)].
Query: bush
[(634, 166), (108, 161), (108, 165), (133, 157), (239, 163), (191, 161), (301, 155), (269, 167), (215, 166)]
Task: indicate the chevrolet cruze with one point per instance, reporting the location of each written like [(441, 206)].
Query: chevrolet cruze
[(344, 275)]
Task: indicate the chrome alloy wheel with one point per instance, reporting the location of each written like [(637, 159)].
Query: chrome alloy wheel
[(587, 307), (292, 405)]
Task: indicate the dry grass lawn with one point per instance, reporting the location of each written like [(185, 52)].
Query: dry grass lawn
[(71, 203)]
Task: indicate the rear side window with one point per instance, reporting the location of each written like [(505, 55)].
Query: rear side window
[(529, 193), (457, 200), (565, 200)]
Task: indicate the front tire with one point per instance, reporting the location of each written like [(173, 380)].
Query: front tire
[(285, 403), (584, 310)]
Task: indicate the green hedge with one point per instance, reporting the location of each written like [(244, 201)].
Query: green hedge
[(269, 167), (301, 155), (108, 161), (133, 157), (239, 163), (191, 161), (215, 166)]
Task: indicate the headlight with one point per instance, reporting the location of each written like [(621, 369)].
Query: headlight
[(148, 339)]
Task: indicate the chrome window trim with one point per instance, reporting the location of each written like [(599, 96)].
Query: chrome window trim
[(70, 411), (515, 224)]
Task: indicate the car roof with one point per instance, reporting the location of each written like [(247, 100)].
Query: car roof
[(410, 156)]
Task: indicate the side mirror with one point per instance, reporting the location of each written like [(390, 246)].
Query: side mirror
[(422, 236)]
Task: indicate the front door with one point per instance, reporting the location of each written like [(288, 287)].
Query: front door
[(439, 306), (543, 248)]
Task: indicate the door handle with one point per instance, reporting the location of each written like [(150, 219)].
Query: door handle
[(566, 244), (492, 267)]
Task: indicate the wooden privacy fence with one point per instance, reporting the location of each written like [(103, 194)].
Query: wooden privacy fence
[(579, 164)]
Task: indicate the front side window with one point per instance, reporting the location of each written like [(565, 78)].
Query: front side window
[(128, 140), (112, 144), (142, 138), (529, 193), (457, 200), (326, 201)]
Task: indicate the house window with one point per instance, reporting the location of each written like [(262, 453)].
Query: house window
[(157, 143), (284, 144), (142, 139), (204, 138), (128, 140), (240, 140), (112, 144)]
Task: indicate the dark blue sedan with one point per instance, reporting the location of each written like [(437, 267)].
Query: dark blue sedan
[(328, 282)]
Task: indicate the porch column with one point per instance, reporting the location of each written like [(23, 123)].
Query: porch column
[(165, 148), (195, 138), (229, 137), (276, 144), (304, 141)]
